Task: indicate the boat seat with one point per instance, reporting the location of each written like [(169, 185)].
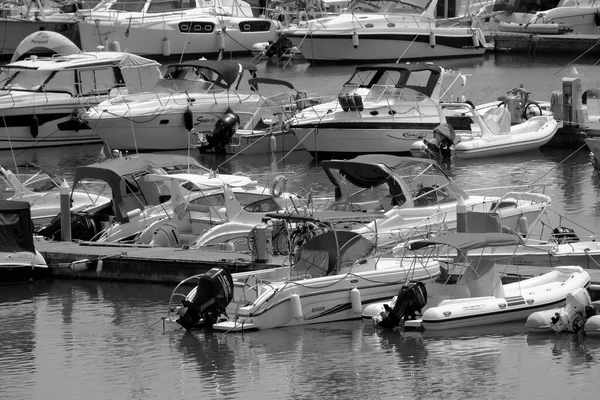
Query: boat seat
[(498, 120)]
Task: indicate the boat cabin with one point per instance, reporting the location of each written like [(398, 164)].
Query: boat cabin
[(405, 82)]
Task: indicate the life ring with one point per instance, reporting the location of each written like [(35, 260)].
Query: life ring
[(278, 186)]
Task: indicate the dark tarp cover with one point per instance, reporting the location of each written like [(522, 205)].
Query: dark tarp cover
[(16, 233), (371, 170), (469, 241)]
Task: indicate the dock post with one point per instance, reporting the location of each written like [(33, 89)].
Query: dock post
[(461, 215), (65, 211)]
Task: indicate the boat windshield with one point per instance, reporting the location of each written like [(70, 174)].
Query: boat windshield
[(122, 5), (388, 6), (25, 80), (524, 6)]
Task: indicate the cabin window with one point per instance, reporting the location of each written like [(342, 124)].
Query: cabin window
[(262, 206), (24, 80), (97, 81), (128, 5), (61, 81), (170, 5), (215, 200)]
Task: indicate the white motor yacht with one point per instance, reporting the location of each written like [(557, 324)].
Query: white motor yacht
[(166, 27), (193, 99), (388, 30), (41, 98)]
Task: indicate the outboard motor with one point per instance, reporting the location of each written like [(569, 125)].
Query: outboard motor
[(213, 293), (564, 235), (410, 300), (222, 133)]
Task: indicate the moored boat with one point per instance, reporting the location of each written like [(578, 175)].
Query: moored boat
[(41, 98), (19, 260), (388, 30), (328, 281), (472, 292)]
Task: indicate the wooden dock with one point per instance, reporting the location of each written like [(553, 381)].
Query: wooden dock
[(546, 44), (142, 263), (171, 265)]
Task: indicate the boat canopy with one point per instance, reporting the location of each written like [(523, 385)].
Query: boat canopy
[(367, 76), (16, 229), (469, 241), (121, 175), (372, 170), (201, 183)]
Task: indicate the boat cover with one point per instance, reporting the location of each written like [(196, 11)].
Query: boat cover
[(113, 170), (469, 241), (373, 170), (16, 230)]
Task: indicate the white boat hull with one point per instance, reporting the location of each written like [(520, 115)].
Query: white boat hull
[(159, 124), (521, 299), (381, 44), (149, 35), (527, 136), (325, 299), (19, 135)]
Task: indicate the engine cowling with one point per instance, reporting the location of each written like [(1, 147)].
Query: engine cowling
[(213, 293)]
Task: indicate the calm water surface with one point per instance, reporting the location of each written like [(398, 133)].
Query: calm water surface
[(104, 340)]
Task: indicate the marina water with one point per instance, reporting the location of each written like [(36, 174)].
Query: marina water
[(105, 340)]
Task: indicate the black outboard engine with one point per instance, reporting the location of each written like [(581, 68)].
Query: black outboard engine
[(410, 301), (222, 133), (213, 293), (564, 235)]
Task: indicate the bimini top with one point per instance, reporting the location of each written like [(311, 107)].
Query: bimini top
[(222, 73), (118, 170), (16, 230), (469, 241), (373, 170)]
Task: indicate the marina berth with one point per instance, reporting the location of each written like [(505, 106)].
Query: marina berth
[(194, 103), (42, 98), (168, 28), (380, 31), (471, 293), (20, 262)]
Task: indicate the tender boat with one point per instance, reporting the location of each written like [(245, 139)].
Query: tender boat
[(168, 28), (19, 260), (387, 30), (381, 109), (41, 191), (578, 314), (329, 280), (194, 97), (564, 17), (594, 145), (41, 98), (471, 291), (492, 134)]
